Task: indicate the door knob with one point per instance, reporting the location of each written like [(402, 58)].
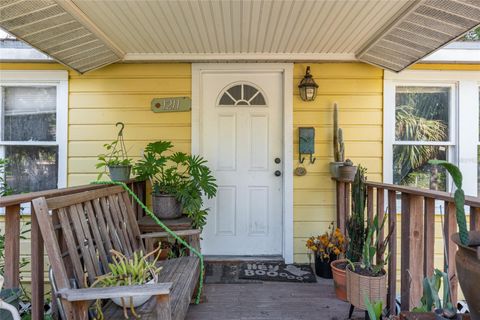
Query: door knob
[(278, 173), (277, 160)]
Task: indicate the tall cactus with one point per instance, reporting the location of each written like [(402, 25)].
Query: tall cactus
[(338, 144), (356, 222)]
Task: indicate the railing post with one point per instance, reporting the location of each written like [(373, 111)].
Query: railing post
[(12, 246), (411, 250), (429, 237), (341, 210), (37, 268), (450, 227), (474, 218), (392, 248)]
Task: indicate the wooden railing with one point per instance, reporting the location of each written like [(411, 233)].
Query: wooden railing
[(12, 206), (417, 233)]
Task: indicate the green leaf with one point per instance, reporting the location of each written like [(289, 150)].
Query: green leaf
[(452, 169)]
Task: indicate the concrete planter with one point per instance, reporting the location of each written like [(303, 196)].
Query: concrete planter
[(347, 173), (166, 206), (334, 168)]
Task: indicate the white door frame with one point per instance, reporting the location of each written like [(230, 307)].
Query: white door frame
[(286, 69)]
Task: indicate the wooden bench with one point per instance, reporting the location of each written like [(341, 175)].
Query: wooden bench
[(79, 231)]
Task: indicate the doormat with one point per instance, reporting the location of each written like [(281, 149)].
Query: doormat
[(277, 272)]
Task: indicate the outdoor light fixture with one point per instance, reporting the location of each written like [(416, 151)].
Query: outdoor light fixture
[(308, 87)]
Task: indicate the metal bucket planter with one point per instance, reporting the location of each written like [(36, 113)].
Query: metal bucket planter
[(119, 173), (10, 296), (360, 286), (166, 206), (467, 261), (334, 169)]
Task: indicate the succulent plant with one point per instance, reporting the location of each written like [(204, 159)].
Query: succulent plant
[(348, 162)]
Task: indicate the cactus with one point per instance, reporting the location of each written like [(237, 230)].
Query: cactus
[(338, 144), (356, 222)]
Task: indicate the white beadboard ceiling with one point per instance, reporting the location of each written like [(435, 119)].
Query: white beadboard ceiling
[(242, 30)]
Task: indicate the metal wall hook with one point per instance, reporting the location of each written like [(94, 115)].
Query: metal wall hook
[(120, 133), (312, 159), (300, 159)]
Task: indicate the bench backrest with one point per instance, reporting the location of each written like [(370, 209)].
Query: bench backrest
[(79, 231)]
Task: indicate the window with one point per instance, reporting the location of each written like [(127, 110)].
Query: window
[(428, 115), (242, 95), (33, 129), (422, 132)]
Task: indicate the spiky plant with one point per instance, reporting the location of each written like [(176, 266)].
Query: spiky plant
[(356, 222)]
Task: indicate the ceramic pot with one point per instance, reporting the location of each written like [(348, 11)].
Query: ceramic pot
[(339, 279), (119, 173), (347, 173), (467, 261), (334, 168), (136, 301), (323, 269), (359, 286), (166, 206)]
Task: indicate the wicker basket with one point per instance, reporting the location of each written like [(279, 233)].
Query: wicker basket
[(358, 286)]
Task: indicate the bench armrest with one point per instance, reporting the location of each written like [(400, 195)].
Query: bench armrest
[(191, 232), (115, 292)]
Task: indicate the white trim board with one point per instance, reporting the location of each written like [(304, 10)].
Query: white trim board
[(464, 115), (287, 71)]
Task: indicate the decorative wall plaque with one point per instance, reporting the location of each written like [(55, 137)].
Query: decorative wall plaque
[(174, 104)]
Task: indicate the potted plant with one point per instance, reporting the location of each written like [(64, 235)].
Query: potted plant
[(338, 145), (115, 159), (467, 259), (366, 278), (326, 248), (355, 233), (347, 171), (137, 270), (179, 181), (431, 298)]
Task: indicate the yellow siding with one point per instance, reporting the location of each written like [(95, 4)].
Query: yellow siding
[(122, 92), (358, 89)]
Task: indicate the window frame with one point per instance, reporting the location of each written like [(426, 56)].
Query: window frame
[(59, 79), (464, 119)]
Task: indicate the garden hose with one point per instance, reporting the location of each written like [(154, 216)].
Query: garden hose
[(161, 224)]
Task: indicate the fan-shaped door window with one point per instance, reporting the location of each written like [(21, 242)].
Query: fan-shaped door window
[(242, 95)]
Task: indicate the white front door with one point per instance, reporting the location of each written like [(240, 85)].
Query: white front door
[(241, 124)]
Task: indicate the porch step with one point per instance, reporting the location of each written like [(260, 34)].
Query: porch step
[(239, 259)]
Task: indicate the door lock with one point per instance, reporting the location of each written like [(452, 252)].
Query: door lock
[(278, 173)]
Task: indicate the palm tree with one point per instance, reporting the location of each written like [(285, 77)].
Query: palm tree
[(420, 117)]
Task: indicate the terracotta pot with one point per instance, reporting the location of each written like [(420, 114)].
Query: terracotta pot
[(467, 261), (166, 206), (339, 279), (347, 173), (334, 168), (359, 286)]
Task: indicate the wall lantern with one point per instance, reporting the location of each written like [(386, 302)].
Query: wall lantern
[(308, 87)]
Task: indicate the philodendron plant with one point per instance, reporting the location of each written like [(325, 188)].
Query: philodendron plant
[(459, 197)]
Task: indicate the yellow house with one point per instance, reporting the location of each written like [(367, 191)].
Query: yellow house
[(241, 72)]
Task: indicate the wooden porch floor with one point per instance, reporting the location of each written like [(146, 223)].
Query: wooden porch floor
[(271, 301)]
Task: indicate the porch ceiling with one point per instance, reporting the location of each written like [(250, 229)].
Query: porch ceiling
[(85, 34)]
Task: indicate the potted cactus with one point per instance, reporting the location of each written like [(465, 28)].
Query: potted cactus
[(467, 259), (338, 145)]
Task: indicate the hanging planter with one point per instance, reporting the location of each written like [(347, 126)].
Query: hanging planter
[(115, 159)]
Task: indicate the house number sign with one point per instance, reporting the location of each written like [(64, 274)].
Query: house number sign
[(175, 104)]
